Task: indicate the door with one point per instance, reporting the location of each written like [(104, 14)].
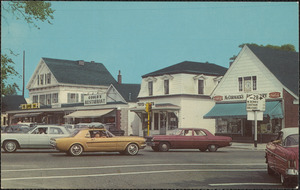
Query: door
[(39, 138), (102, 143), (184, 140), (200, 139)]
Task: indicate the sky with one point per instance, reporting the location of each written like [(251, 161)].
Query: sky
[(141, 37)]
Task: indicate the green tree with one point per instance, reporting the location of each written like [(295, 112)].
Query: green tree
[(31, 12), (285, 47)]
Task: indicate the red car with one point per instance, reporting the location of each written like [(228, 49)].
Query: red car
[(188, 138), (282, 156)]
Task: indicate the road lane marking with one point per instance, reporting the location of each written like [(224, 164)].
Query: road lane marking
[(126, 166), (238, 184), (133, 173)]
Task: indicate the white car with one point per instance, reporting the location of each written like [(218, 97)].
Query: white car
[(37, 137)]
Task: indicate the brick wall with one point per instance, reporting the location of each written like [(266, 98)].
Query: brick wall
[(291, 111)]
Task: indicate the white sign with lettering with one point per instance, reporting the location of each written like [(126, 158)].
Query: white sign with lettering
[(256, 102), (95, 99)]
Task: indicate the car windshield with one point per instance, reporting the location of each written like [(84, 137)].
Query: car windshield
[(292, 140), (176, 132)]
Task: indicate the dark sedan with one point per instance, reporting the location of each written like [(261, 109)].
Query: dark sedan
[(188, 138)]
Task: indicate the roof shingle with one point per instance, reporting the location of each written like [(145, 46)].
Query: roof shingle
[(283, 64), (190, 68), (71, 72)]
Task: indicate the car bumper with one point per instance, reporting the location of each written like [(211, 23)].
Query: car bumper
[(143, 146), (292, 172)]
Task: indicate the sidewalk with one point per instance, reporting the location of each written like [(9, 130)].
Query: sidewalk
[(260, 146)]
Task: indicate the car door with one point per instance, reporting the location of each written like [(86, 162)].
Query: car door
[(38, 139), (184, 140), (106, 143), (200, 139)]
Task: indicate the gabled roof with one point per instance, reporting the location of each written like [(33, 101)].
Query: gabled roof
[(190, 68), (129, 92), (71, 72), (283, 64), (11, 102)]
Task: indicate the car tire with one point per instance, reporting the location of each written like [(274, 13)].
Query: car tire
[(76, 150), (132, 149), (270, 171), (164, 147), (212, 148), (10, 146), (155, 148), (202, 149)]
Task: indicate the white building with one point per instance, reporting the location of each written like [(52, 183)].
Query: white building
[(77, 91), (180, 96), (274, 75)]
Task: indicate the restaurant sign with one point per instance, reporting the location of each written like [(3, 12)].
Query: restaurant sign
[(95, 99)]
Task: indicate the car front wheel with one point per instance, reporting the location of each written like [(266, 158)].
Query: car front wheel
[(212, 148), (10, 146), (164, 146), (132, 149), (76, 150)]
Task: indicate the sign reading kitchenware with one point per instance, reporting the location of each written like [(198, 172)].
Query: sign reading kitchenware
[(95, 99)]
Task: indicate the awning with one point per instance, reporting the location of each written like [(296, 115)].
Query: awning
[(88, 113), (238, 110), (26, 114), (157, 107)]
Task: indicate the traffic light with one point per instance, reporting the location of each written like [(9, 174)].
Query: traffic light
[(148, 107)]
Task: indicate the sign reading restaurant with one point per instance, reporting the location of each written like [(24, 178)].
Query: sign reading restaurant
[(95, 99)]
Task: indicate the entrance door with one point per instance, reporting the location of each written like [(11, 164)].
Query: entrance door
[(248, 129), (163, 124)]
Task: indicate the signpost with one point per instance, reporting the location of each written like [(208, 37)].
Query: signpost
[(257, 104), (148, 109)]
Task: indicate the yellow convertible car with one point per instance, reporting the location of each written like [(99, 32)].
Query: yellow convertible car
[(98, 140)]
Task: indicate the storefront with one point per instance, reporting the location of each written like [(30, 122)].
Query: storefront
[(231, 120), (163, 118)]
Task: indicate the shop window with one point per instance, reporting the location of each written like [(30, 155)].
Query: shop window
[(200, 86), (48, 99), (230, 125), (72, 98), (156, 120), (172, 121), (42, 99), (166, 86), (150, 88), (55, 98), (35, 99)]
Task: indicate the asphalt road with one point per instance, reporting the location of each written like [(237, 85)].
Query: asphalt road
[(228, 168)]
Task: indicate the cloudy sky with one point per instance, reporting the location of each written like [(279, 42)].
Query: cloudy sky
[(141, 37)]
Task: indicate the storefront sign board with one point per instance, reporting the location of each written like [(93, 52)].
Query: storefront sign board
[(251, 115), (95, 99)]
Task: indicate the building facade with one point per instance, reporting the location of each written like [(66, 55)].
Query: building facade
[(180, 96), (272, 74), (67, 91)]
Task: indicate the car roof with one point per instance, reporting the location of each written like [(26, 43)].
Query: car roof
[(289, 131)]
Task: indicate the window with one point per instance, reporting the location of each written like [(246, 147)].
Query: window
[(42, 99), (48, 76), (82, 98), (156, 118), (247, 84), (150, 88), (200, 86), (199, 133), (48, 99), (72, 98), (35, 99), (42, 79), (240, 84), (254, 82), (55, 98), (38, 80), (166, 86), (55, 130)]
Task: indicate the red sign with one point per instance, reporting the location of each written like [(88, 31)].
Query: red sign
[(274, 94), (218, 98)]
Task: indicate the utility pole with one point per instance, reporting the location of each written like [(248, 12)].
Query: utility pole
[(23, 74)]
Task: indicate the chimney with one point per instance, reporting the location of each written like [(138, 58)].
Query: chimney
[(119, 78), (81, 62)]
